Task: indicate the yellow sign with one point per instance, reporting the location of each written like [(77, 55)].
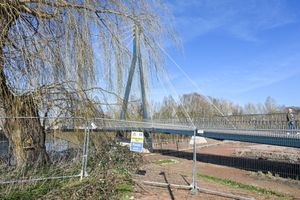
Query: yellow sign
[(137, 136)]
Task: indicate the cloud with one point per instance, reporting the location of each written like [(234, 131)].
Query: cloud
[(241, 19)]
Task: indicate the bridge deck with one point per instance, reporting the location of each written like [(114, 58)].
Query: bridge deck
[(278, 137), (262, 136), (271, 137)]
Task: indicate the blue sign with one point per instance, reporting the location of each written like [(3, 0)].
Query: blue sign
[(136, 146)]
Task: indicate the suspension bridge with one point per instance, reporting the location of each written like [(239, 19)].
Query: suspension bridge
[(261, 129), (255, 130)]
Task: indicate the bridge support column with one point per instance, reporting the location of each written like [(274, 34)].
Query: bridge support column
[(130, 75)]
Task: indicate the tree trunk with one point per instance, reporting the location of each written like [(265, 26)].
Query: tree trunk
[(26, 135)]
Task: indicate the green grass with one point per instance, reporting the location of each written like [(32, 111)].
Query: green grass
[(239, 185), (118, 187), (165, 161), (31, 191), (125, 189)]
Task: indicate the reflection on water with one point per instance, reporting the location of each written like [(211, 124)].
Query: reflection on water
[(3, 147), (57, 145)]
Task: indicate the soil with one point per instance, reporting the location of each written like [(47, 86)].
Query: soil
[(180, 173)]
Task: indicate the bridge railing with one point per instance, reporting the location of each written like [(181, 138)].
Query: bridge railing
[(266, 121), (106, 124), (241, 124)]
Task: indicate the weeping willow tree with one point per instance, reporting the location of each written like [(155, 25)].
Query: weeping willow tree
[(47, 60)]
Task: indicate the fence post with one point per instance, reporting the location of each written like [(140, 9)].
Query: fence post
[(85, 150), (194, 181)]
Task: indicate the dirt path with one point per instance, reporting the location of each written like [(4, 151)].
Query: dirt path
[(181, 171)]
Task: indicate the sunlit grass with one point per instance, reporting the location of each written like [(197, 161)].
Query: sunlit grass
[(244, 186), (165, 161)]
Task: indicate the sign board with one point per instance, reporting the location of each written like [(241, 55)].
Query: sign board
[(137, 140)]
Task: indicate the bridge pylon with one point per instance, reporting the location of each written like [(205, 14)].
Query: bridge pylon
[(136, 59)]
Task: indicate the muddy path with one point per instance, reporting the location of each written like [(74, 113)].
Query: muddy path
[(180, 172)]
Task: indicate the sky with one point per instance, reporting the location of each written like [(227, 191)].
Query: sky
[(242, 51)]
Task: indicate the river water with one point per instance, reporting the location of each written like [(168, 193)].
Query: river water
[(57, 145)]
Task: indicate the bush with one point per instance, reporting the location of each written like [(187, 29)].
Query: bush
[(109, 168)]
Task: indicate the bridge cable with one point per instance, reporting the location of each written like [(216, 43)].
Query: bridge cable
[(194, 84), (172, 87)]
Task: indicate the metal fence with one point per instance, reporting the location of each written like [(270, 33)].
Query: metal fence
[(71, 141), (65, 148), (68, 144)]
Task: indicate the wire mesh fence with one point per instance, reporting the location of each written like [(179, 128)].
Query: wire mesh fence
[(63, 145), (223, 163), (69, 142), (74, 145)]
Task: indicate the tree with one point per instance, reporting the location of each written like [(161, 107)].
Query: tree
[(250, 108), (47, 53), (270, 105), (167, 109), (196, 105)]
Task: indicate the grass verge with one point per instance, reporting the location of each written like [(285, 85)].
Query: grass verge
[(165, 161), (248, 187)]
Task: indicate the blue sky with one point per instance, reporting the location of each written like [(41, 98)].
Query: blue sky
[(240, 50)]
